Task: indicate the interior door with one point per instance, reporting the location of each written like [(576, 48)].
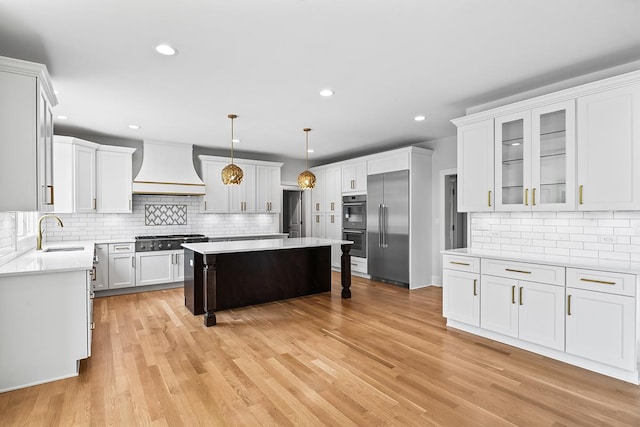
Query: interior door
[(295, 213), (396, 226)]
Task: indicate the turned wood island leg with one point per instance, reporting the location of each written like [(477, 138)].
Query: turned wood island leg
[(345, 274), (210, 279)]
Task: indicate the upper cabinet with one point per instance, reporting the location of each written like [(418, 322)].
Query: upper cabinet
[(26, 132), (535, 159), (475, 158), (113, 179), (578, 148), (354, 177), (259, 192), (609, 150)]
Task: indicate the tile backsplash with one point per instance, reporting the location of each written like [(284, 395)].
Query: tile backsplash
[(96, 226), (601, 235), (7, 233)]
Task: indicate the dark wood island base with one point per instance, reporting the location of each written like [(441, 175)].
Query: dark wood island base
[(222, 281)]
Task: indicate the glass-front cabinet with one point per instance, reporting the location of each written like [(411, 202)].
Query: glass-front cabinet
[(535, 159)]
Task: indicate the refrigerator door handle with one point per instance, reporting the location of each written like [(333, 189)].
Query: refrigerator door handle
[(379, 226), (385, 240)]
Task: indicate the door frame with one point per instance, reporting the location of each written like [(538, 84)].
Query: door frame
[(305, 205), (443, 198)]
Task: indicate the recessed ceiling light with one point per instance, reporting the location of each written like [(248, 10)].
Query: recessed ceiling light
[(515, 144), (62, 117), (310, 150), (165, 49), (235, 141), (134, 127), (56, 92), (326, 92), (419, 118)]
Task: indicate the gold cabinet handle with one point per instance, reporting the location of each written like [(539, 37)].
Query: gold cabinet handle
[(568, 305), (332, 219), (205, 205), (580, 193), (94, 203), (521, 302), (93, 325), (317, 206), (318, 218), (458, 263), (517, 271), (333, 205), (50, 187), (130, 204), (526, 197), (597, 281), (489, 198), (513, 294), (533, 197), (475, 287)]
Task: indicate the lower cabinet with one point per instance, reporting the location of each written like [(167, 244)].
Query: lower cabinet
[(153, 268), (100, 280), (529, 311), (588, 318), (122, 266)]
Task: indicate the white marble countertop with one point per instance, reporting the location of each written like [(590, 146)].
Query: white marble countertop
[(561, 261), (261, 245), (248, 236), (39, 262)]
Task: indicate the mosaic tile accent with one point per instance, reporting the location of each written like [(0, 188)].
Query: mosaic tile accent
[(165, 214)]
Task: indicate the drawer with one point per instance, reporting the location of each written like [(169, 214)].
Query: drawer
[(540, 273), (602, 281), (117, 248), (359, 265), (461, 263)]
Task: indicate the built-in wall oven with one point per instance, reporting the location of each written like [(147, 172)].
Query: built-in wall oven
[(354, 223)]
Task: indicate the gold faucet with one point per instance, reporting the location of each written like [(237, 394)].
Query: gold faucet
[(39, 237)]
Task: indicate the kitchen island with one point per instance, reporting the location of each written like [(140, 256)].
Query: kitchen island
[(225, 275)]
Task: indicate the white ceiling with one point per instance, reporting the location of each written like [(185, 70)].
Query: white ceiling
[(266, 61)]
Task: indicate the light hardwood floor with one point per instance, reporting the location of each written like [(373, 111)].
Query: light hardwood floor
[(384, 357)]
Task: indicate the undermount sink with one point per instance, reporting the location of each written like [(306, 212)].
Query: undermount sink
[(63, 249)]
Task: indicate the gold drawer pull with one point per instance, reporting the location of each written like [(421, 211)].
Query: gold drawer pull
[(513, 294), (517, 271), (597, 281), (458, 263), (568, 305), (489, 198), (580, 191), (475, 287)]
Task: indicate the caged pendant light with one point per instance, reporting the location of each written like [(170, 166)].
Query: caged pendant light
[(306, 180), (232, 174)]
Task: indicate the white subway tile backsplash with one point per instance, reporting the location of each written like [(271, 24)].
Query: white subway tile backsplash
[(614, 236)]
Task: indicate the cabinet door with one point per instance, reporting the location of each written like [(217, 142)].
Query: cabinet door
[(84, 179), (513, 162), (553, 167), (101, 281), (601, 327), (154, 267), (461, 296), (216, 199), (122, 271), (46, 181), (318, 193), (541, 314), (333, 194), (499, 305), (354, 177), (242, 198), (475, 167), (609, 150), (318, 225), (113, 182), (178, 265), (268, 190)]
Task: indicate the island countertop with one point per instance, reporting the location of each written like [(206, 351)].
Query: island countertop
[(261, 245)]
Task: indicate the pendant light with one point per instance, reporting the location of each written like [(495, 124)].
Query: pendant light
[(306, 180), (232, 174)]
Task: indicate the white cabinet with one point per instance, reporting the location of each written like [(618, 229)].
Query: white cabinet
[(178, 265), (326, 207), (216, 199), (461, 289), (354, 177), (74, 175), (475, 167), (535, 159), (268, 189), (259, 191), (333, 195), (122, 265), (601, 326), (158, 267), (530, 311), (26, 132), (113, 179), (100, 279), (609, 149), (242, 197), (318, 193)]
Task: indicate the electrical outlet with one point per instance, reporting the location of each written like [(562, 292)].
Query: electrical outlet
[(607, 239)]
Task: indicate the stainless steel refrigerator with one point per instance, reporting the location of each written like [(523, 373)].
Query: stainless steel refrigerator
[(388, 227)]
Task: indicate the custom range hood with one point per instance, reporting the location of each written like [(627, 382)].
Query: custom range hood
[(167, 168)]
